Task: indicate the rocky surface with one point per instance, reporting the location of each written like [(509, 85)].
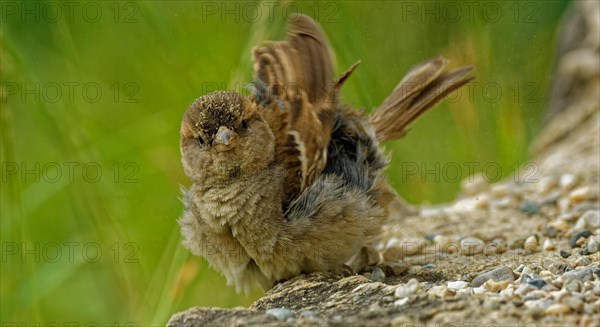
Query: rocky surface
[(507, 253), (525, 251)]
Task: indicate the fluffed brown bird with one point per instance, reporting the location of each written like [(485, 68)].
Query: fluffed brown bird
[(288, 180)]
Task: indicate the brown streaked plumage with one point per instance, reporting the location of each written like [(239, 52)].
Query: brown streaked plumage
[(289, 180)]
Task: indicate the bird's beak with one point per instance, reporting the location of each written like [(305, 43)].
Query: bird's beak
[(225, 139)]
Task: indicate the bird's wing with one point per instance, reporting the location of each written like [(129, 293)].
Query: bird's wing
[(294, 84)]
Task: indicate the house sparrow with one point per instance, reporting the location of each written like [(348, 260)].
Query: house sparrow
[(288, 180)]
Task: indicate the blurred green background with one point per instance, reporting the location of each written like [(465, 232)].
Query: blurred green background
[(92, 96)]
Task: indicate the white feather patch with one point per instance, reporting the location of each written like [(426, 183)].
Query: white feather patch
[(301, 157)]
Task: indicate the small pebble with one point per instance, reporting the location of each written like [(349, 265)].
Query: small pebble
[(582, 262), (531, 244), (279, 313), (431, 235), (582, 194), (499, 274), (464, 293), (413, 270), (591, 219), (479, 290), (504, 203), (567, 181), (560, 225), (524, 289), (494, 286), (407, 289), (568, 217), (474, 184), (445, 244), (491, 305), (557, 309), (457, 285), (588, 296), (397, 250), (580, 225), (536, 282), (558, 282), (554, 265), (429, 266), (573, 285), (441, 291), (548, 245), (574, 303), (530, 208), (561, 294), (565, 254), (593, 245), (575, 238), (495, 247), (433, 212), (537, 305), (540, 294), (401, 302), (549, 231), (377, 275), (507, 293), (551, 198), (526, 271), (589, 285), (480, 201), (471, 246), (585, 206), (519, 269), (500, 190)]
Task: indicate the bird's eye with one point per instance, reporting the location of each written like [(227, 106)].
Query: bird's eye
[(201, 140), (244, 124)]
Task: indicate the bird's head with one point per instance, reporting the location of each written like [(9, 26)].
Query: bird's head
[(224, 137)]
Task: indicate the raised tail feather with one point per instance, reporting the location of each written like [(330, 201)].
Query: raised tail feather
[(424, 85)]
